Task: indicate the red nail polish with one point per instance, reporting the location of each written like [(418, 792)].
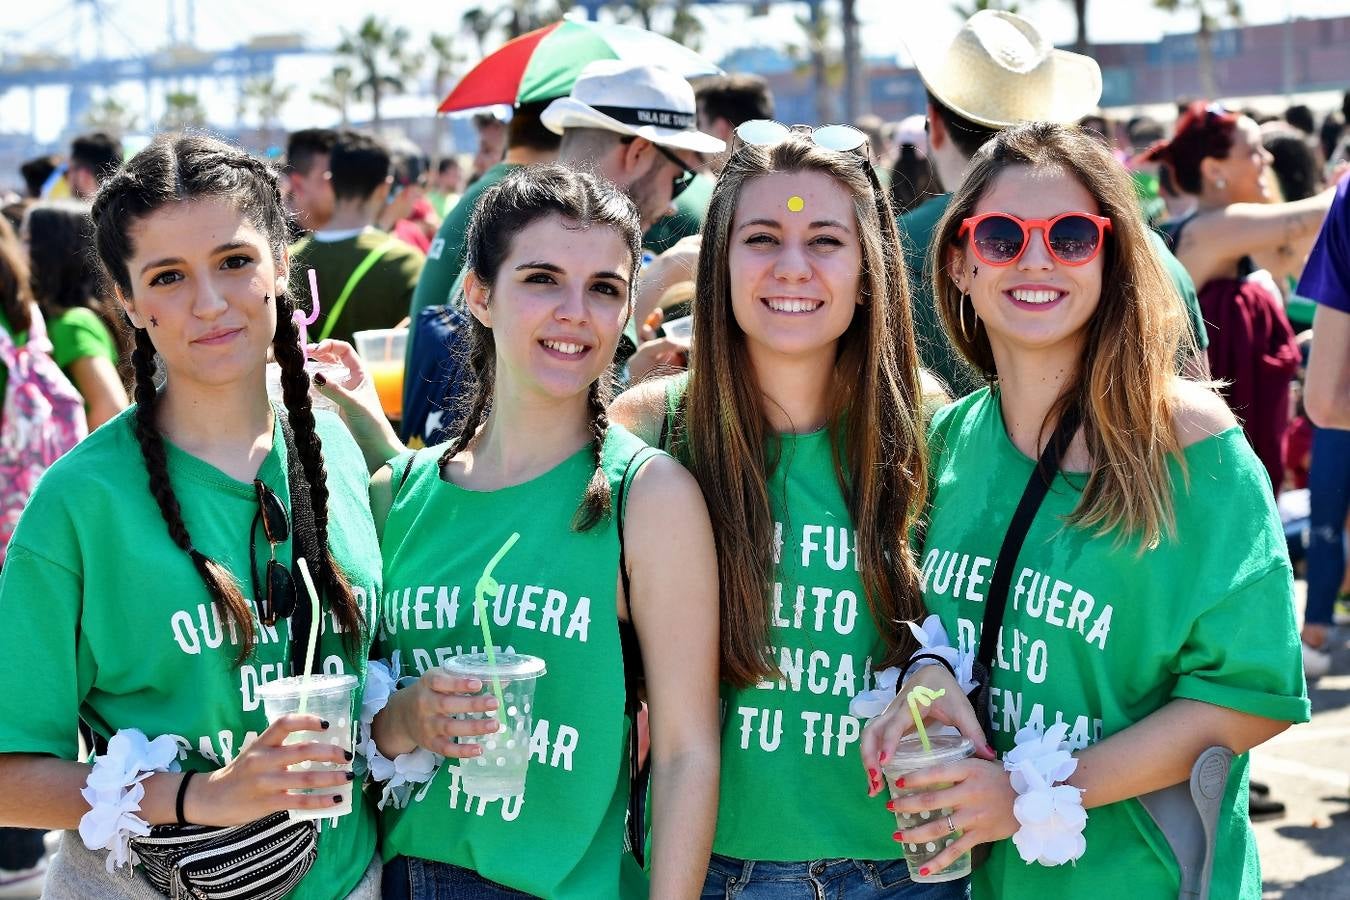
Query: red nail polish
[(898, 837), (923, 871), (890, 806), (899, 782), (872, 773)]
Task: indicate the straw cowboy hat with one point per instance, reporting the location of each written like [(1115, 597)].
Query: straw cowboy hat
[(999, 71), (627, 98)]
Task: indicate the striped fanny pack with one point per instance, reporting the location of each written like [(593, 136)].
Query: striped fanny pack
[(260, 860)]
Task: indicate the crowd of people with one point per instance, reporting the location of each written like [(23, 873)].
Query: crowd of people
[(769, 431)]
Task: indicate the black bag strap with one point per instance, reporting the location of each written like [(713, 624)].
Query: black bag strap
[(1047, 468), (304, 543), (639, 771)]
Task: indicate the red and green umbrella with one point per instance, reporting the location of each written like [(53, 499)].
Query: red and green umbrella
[(544, 63)]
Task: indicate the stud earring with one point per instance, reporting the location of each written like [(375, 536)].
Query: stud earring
[(1220, 183)]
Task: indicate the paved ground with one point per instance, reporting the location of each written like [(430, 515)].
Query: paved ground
[(1304, 855)]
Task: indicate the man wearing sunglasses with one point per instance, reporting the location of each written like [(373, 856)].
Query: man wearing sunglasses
[(634, 125), (999, 71)]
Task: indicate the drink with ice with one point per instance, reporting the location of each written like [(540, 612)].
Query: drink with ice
[(500, 771), (330, 697)]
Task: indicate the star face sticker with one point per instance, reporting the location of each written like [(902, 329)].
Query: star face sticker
[(154, 322), (795, 204)]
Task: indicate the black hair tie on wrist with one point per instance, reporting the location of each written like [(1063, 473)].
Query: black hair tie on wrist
[(935, 658), (182, 795)]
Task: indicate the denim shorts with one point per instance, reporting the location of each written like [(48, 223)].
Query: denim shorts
[(408, 878), (822, 879)]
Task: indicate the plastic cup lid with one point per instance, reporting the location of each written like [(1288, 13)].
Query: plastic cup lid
[(318, 684), (910, 755), (510, 666)]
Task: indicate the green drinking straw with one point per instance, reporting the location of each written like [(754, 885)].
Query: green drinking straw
[(313, 633), (488, 585), (924, 696)]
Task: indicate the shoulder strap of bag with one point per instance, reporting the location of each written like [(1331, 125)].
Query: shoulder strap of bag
[(304, 543), (352, 281), (638, 772), (1047, 468)]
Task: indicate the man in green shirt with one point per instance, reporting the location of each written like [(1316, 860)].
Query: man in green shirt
[(723, 102), (963, 114), (366, 276), (527, 142)]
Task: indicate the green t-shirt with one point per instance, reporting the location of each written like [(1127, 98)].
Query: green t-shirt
[(108, 621), (791, 788), (380, 298), (77, 333), (690, 208), (1099, 636), (564, 837), (446, 256), (936, 353)]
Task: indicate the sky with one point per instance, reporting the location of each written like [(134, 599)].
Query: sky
[(137, 27)]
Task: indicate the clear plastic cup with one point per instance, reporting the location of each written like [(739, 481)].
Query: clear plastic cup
[(910, 756), (500, 771), (381, 350), (331, 371), (680, 330), (331, 697)]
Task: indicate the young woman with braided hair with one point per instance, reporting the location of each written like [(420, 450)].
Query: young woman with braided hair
[(160, 615), (613, 576)]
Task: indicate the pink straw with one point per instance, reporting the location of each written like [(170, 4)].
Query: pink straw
[(302, 322)]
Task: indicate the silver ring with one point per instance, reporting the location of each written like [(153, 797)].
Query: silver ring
[(951, 829)]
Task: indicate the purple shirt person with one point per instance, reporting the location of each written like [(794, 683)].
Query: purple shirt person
[(1326, 279)]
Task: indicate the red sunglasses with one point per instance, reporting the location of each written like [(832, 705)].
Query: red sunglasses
[(1000, 239)]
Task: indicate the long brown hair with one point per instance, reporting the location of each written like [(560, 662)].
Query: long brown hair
[(176, 169), (1133, 342), (16, 295), (875, 417)]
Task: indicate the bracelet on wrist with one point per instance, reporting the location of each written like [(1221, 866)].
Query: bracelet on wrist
[(1050, 812)]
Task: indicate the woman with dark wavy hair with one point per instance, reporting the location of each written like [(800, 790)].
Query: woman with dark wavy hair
[(141, 592)]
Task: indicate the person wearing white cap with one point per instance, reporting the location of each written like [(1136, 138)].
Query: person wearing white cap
[(634, 125), (998, 71)]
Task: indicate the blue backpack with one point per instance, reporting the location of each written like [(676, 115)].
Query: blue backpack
[(438, 378)]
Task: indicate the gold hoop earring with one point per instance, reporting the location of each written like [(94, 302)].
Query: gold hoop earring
[(969, 336)]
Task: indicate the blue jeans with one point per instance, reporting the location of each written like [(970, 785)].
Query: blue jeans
[(1329, 491), (406, 878), (822, 879)]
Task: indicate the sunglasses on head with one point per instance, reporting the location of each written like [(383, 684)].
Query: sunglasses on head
[(276, 597), (1000, 239), (767, 133)]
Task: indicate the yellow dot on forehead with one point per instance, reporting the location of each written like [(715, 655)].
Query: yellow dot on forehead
[(796, 204)]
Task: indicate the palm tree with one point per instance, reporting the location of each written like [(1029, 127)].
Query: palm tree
[(817, 29), (684, 27), (479, 23), (182, 109), (1080, 40), (445, 59), (1213, 14), (266, 98), (383, 62), (339, 92), (855, 87), (966, 10), (111, 115)]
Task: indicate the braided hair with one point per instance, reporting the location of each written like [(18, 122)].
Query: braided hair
[(511, 205), (176, 169)]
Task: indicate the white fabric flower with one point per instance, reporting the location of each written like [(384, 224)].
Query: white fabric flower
[(932, 638), (869, 704), (114, 792), (414, 767), (1051, 815)]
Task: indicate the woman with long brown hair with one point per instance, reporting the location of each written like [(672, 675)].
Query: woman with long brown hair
[(1149, 612), (801, 418)]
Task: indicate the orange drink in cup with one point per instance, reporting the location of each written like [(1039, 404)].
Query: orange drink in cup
[(382, 351)]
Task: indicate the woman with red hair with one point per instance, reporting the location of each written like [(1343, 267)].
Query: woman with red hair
[(1218, 157)]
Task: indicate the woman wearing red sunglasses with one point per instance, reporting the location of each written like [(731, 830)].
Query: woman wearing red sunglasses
[(1148, 614)]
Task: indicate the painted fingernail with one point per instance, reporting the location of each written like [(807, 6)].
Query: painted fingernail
[(923, 871), (337, 798), (319, 379), (898, 838), (351, 776), (872, 773), (348, 754), (323, 723), (899, 782), (890, 805)]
